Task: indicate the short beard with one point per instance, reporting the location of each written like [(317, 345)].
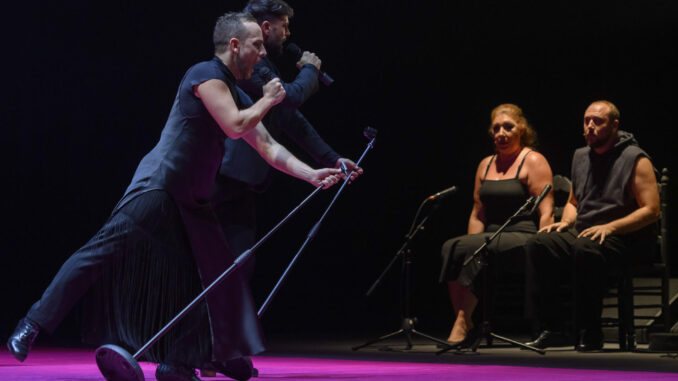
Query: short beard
[(275, 51), (598, 142)]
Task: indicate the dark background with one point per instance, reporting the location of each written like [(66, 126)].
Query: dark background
[(87, 87)]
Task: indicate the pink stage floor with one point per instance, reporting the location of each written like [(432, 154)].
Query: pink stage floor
[(78, 364)]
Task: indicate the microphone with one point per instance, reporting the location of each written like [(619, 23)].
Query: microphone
[(266, 73), (541, 196), (442, 194), (370, 132), (296, 52)]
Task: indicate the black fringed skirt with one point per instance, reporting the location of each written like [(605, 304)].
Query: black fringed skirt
[(153, 277)]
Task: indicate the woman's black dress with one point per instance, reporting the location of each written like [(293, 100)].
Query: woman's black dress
[(501, 199)]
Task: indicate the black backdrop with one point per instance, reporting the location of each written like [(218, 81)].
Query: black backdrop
[(88, 86)]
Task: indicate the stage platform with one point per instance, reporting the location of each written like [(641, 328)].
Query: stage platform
[(323, 359)]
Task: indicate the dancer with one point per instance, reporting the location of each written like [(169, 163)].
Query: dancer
[(163, 240)]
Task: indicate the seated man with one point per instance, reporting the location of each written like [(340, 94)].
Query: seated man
[(610, 211)]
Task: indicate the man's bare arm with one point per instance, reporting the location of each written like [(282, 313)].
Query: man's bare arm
[(217, 98), (281, 159)]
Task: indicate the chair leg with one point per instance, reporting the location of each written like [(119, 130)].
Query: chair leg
[(621, 328), (627, 336)]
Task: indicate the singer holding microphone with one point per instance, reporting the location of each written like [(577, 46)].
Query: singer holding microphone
[(243, 173), (503, 182)]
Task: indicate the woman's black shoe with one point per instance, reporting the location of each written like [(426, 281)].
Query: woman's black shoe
[(472, 339), (452, 344)]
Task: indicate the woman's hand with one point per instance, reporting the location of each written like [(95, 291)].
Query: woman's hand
[(558, 226)]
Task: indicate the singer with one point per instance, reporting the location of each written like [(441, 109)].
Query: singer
[(609, 216), (243, 173), (503, 183)]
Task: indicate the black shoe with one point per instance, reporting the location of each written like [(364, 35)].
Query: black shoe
[(240, 368), (590, 340), (452, 344), (22, 339), (165, 372), (472, 340), (469, 341), (550, 339)]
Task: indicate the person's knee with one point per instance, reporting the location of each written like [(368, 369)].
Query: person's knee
[(588, 258), (447, 247), (535, 245), (586, 249)]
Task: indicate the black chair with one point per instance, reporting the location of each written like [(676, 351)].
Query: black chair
[(625, 292), (561, 193)]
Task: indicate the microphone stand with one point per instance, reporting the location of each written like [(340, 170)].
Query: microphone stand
[(370, 133), (481, 255), (407, 325)]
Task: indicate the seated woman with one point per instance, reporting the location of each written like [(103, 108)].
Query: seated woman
[(503, 183)]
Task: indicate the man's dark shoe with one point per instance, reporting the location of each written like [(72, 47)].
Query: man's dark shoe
[(590, 340), (165, 372), (550, 339), (22, 339), (240, 368)]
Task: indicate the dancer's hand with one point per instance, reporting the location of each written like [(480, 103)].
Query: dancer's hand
[(325, 176), (350, 166)]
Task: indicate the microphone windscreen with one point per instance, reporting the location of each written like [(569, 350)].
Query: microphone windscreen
[(266, 73), (294, 50)]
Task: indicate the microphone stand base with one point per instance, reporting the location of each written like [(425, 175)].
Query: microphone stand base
[(407, 330), (116, 364)]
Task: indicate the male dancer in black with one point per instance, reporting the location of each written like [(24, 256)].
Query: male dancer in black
[(166, 211)]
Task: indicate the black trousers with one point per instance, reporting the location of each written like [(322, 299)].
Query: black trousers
[(556, 258), (85, 267), (138, 271)]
